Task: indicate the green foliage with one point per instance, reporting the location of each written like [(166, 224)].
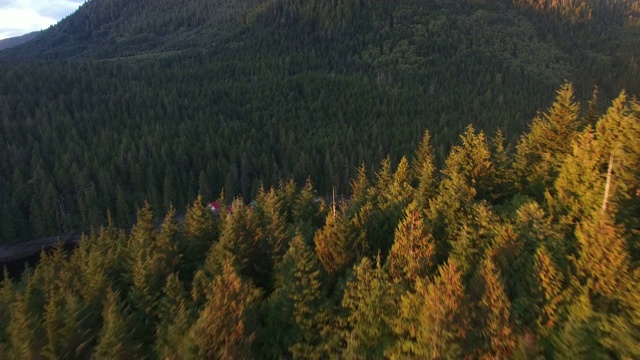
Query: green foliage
[(601, 174), (413, 252), (309, 210), (238, 244), (425, 170), (173, 340), (370, 300), (592, 334), (534, 232), (603, 261), (431, 321), (474, 234), (23, 337), (304, 287), (541, 152), (116, 340), (496, 310), (550, 286), (468, 174), (335, 244), (201, 230), (153, 258), (224, 328), (272, 227)]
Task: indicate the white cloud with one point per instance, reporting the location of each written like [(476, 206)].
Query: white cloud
[(19, 17)]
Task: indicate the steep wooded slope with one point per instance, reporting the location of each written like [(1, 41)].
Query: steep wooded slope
[(149, 105)]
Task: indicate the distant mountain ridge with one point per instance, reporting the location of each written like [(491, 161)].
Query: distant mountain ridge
[(121, 28), (18, 40), (117, 28)]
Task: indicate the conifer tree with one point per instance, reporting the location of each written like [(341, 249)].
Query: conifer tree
[(618, 132), (54, 317), (505, 177), (8, 294), (579, 187), (603, 258), (412, 255), (474, 231), (200, 232), (532, 229), (309, 210), (24, 338), (601, 174), (306, 292), (238, 243), (550, 286), (69, 328), (334, 244), (168, 240), (116, 339), (541, 152), (468, 168), (589, 333), (629, 296), (143, 233), (370, 300), (579, 335), (287, 193), (374, 217), (225, 328), (496, 310), (431, 322), (592, 114), (272, 228), (467, 176), (400, 190), (535, 228), (384, 177), (424, 170), (278, 331), (173, 340), (307, 206), (153, 258), (199, 285), (102, 260), (360, 185)]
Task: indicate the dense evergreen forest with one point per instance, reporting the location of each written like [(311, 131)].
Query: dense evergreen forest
[(503, 231), (525, 253), (131, 101)]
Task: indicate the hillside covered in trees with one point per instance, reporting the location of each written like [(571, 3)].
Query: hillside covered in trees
[(504, 231), (526, 252), (124, 102)]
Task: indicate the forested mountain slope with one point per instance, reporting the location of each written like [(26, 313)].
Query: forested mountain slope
[(127, 101), (514, 254), (113, 28)]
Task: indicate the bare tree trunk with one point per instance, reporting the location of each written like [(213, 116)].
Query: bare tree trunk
[(607, 186)]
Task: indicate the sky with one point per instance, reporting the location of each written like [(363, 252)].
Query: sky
[(18, 17)]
